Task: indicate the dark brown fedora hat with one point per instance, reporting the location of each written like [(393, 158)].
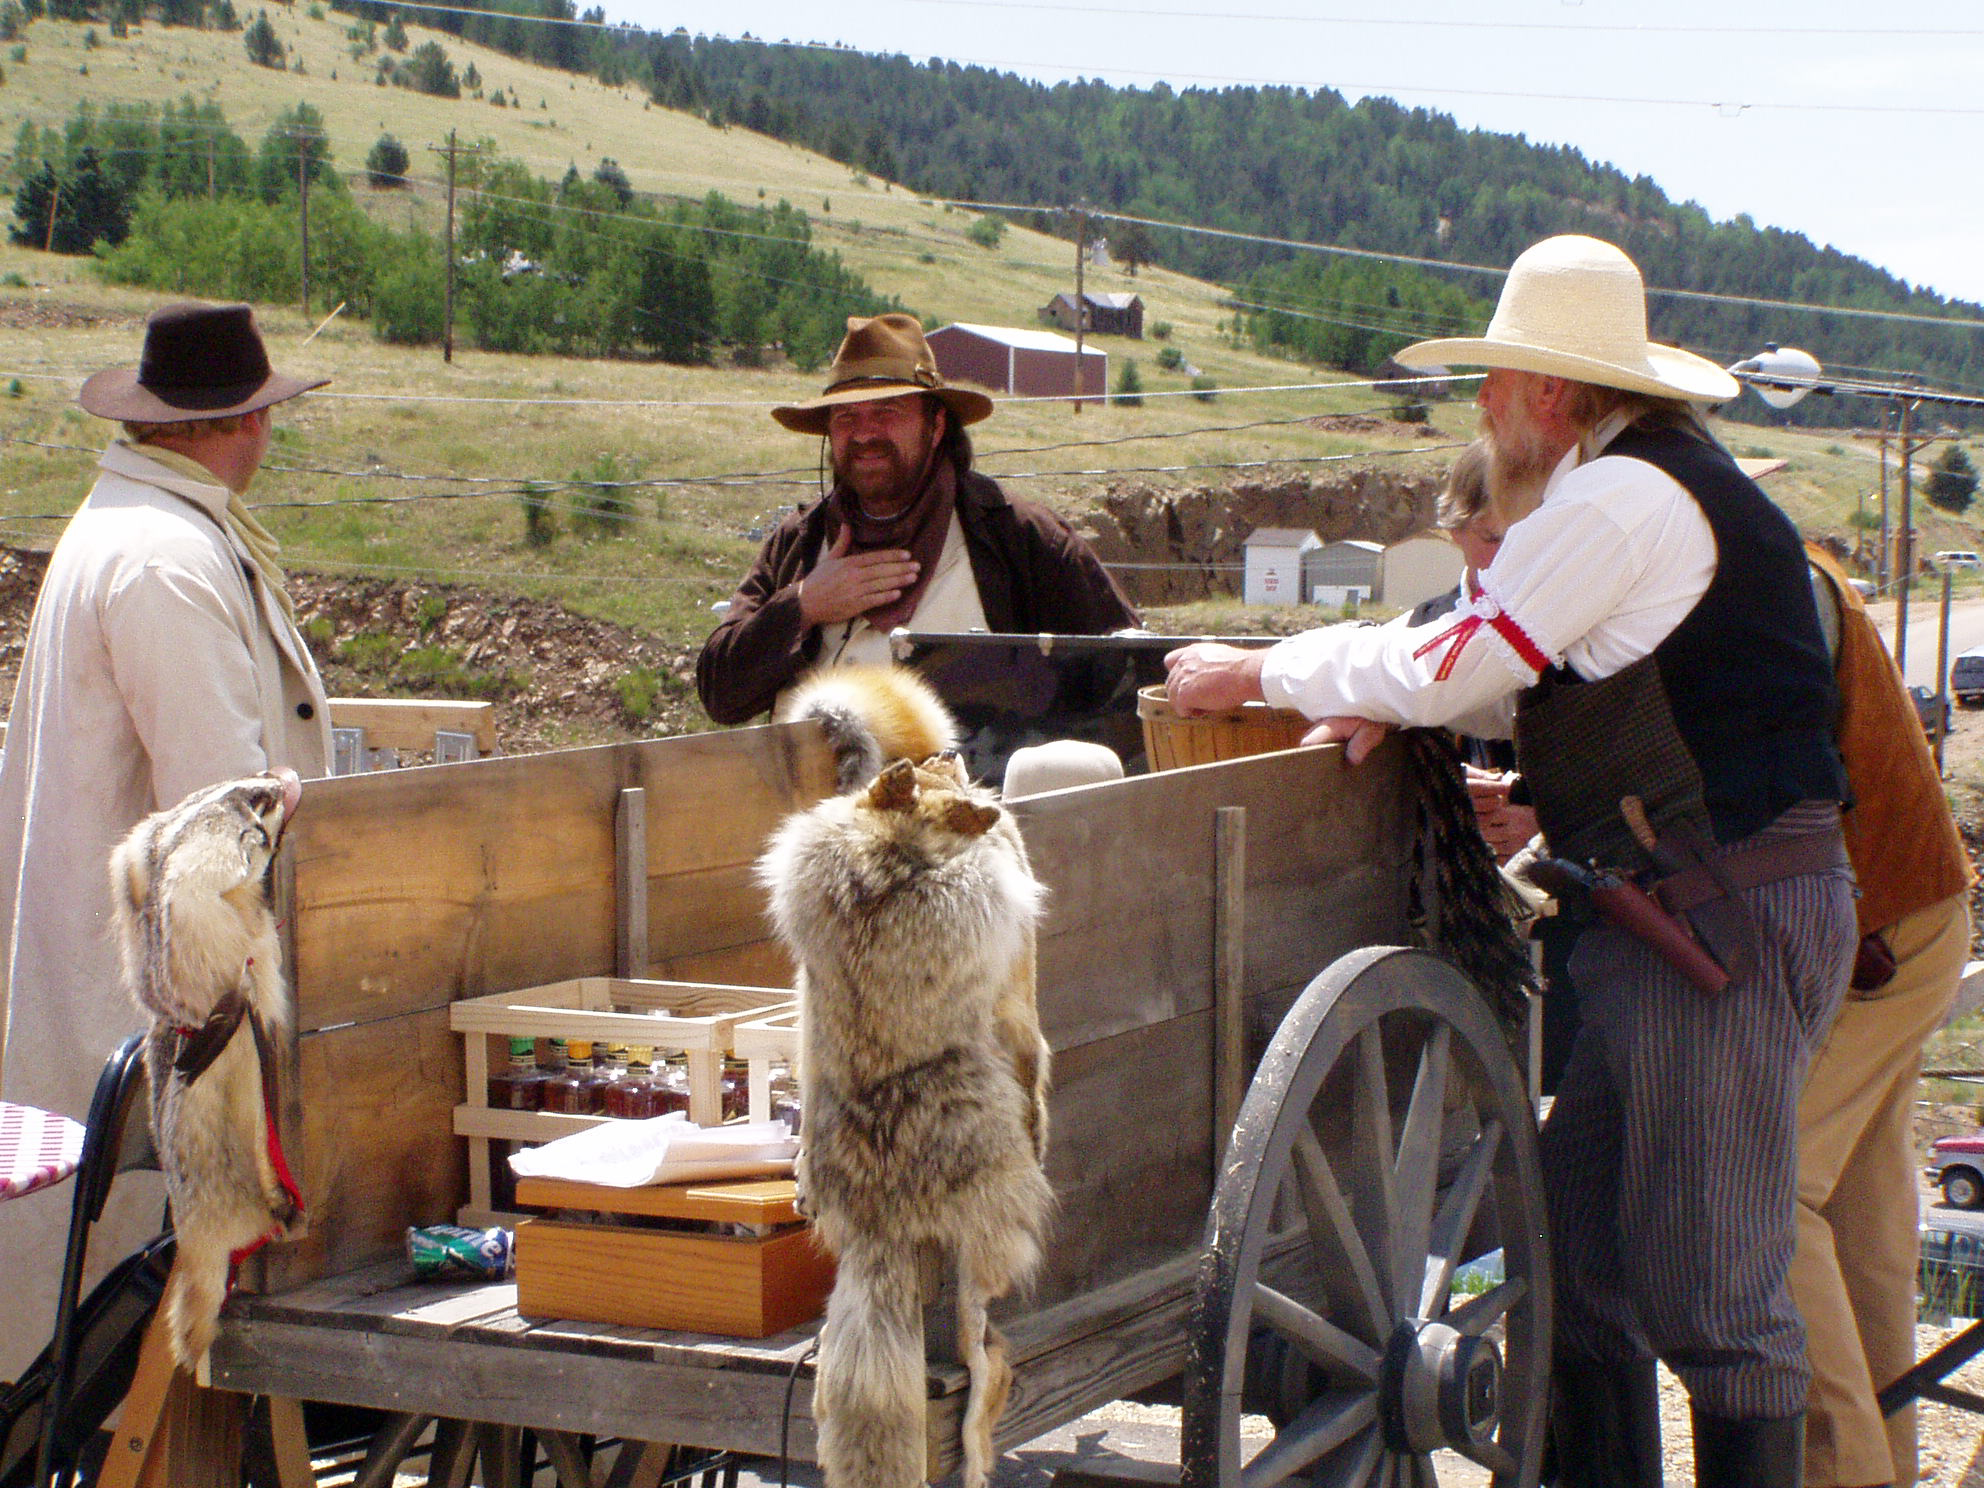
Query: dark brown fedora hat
[(200, 361), (883, 356)]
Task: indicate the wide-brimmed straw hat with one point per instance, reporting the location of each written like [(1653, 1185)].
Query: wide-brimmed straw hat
[(199, 362), (882, 356), (1575, 307)]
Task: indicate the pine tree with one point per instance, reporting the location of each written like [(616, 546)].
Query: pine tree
[(386, 163), (263, 45), (1952, 482)]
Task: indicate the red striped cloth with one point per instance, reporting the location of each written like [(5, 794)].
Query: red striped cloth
[(37, 1148)]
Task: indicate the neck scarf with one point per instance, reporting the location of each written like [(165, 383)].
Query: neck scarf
[(263, 549), (919, 527)]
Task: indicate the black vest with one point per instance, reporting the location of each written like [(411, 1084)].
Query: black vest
[(1739, 698)]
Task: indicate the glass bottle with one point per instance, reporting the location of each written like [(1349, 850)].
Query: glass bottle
[(568, 1091), (672, 1086), (633, 1098), (520, 1087), (736, 1090), (785, 1096), (609, 1070), (557, 1055)]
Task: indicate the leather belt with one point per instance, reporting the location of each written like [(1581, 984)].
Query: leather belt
[(1748, 867)]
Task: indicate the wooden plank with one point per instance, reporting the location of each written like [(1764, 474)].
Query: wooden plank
[(762, 1201), (409, 723), (377, 1154), (415, 888), (630, 883), (137, 1440), (1130, 1154), (545, 1389), (288, 1443), (1229, 969), (1128, 935)]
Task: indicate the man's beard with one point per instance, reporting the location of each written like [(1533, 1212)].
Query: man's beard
[(1519, 457), (893, 485)]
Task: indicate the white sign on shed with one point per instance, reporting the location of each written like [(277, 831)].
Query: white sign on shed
[(1274, 564)]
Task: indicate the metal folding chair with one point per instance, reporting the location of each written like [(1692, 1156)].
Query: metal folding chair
[(87, 1365)]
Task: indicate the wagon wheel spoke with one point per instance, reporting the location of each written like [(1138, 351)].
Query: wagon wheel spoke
[(1417, 1171), (1373, 1154), (1317, 1337), (1483, 1312), (1456, 1219), (1333, 1229), (1324, 1425), (1358, 1463), (1344, 1329)]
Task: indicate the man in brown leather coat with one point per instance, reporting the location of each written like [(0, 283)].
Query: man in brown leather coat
[(909, 535)]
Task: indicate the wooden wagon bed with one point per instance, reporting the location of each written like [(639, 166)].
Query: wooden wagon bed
[(413, 889)]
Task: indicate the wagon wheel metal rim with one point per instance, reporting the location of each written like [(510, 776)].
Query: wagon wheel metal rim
[(1405, 1366)]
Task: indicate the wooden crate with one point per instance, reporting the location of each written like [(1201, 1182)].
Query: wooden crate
[(698, 1019), (759, 1042), (746, 1286)]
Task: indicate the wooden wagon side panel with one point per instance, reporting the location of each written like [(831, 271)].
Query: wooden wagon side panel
[(418, 887), (1126, 971)]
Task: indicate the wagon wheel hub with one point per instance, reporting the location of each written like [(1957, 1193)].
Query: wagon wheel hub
[(1438, 1388)]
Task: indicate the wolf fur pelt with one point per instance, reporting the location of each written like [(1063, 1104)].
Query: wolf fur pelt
[(871, 715), (910, 911), (201, 957)]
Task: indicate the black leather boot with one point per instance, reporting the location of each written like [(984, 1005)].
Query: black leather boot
[(1749, 1454), (1604, 1424)]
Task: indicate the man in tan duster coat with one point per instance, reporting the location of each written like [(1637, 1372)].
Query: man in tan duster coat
[(162, 656)]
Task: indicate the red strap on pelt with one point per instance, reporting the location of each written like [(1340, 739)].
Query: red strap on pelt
[(272, 1136)]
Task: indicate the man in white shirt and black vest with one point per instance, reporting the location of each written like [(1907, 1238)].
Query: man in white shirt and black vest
[(1649, 637)]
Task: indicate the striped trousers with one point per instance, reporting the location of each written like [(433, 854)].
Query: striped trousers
[(1670, 1155)]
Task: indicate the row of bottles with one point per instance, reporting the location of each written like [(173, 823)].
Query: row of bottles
[(622, 1080)]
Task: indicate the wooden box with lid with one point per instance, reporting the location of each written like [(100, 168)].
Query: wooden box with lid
[(725, 1257)]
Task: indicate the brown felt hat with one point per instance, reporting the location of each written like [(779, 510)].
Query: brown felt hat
[(199, 362), (882, 356)]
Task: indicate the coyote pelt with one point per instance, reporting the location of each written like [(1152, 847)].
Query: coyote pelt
[(910, 911), (201, 957), (871, 715)]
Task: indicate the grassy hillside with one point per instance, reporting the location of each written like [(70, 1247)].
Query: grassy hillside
[(491, 423)]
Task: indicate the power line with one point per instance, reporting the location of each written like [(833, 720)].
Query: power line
[(1456, 265)]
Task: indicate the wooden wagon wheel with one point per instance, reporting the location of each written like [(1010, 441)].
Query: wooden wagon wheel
[(1385, 1139)]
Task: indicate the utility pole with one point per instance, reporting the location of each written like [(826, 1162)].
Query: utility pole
[(303, 210), (1081, 304), (54, 198), (1904, 550), (210, 165), (448, 301)]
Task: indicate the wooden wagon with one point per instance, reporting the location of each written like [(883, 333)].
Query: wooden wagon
[(1292, 1252)]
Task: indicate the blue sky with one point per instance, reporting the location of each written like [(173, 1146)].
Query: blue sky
[(1858, 124)]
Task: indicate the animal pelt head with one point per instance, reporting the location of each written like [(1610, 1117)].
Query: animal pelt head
[(872, 715), (187, 892), (922, 856)]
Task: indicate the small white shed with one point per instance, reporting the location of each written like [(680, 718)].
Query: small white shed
[(1275, 564), (1417, 568), (1342, 571)]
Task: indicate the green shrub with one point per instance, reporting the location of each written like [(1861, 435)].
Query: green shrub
[(429, 612), (1160, 330), (540, 526), (370, 651), (603, 504), (1129, 386), (986, 232), (1170, 358), (637, 691), (1204, 388)]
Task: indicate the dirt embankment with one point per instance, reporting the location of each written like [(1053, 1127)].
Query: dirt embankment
[(1207, 529), (558, 678)]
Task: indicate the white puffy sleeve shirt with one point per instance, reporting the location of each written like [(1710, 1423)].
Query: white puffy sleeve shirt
[(1612, 560)]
